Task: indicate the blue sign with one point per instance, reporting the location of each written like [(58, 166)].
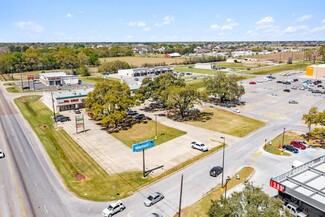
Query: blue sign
[(143, 145)]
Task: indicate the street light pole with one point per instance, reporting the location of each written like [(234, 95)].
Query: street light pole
[(156, 135), (223, 158), (284, 129), (53, 106)]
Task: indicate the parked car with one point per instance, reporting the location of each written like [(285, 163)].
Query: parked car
[(199, 146), (286, 82), (316, 91), (298, 144), (295, 210), (305, 143), (62, 118), (252, 82), (79, 82), (293, 102), (295, 79), (153, 198), (236, 110), (113, 208), (139, 116), (286, 90), (26, 88), (131, 112), (77, 111), (294, 87), (215, 171), (279, 82), (2, 154), (290, 148), (136, 79)]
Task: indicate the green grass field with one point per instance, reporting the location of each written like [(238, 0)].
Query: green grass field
[(70, 159), (276, 69), (14, 89), (201, 207), (143, 132), (228, 122)]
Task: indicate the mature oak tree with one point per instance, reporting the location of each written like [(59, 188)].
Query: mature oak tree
[(251, 202), (109, 102)]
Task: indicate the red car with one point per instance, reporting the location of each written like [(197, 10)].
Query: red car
[(298, 144), (252, 82)]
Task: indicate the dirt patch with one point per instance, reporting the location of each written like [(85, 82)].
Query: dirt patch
[(22, 99), (79, 176), (43, 126)]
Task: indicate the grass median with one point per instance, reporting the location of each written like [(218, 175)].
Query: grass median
[(202, 207), (228, 122), (81, 174)]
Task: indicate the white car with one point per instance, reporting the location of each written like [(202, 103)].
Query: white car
[(153, 198), (236, 110), (113, 208), (2, 155), (199, 146)]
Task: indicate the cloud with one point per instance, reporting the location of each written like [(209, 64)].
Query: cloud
[(29, 26), (291, 29), (304, 17), (229, 26), (215, 27), (167, 20), (137, 24), (146, 29), (318, 29), (129, 36), (266, 22), (68, 15), (323, 21)]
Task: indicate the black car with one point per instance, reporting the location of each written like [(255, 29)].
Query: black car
[(286, 90), (280, 82), (290, 148), (140, 117), (286, 82), (61, 118), (215, 171), (316, 91), (77, 111)]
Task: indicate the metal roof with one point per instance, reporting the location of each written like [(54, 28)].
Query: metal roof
[(72, 93), (306, 182)]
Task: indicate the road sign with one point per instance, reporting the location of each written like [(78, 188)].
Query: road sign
[(143, 145)]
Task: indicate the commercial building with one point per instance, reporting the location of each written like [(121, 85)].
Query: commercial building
[(66, 100), (304, 186), (205, 66), (58, 78), (137, 72), (316, 71)]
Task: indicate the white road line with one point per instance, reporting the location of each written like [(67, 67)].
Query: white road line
[(35, 183), (45, 209)]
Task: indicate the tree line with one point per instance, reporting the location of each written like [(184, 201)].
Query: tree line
[(317, 118), (110, 100), (312, 54)]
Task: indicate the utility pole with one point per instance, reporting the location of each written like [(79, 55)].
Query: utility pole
[(53, 107), (156, 135), (223, 158), (180, 198), (284, 129)]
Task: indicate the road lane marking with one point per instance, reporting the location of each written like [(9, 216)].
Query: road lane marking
[(45, 208), (257, 154), (35, 183)]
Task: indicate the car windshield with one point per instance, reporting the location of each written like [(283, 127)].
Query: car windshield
[(150, 197), (110, 207)]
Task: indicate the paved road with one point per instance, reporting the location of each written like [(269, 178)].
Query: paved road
[(31, 186)]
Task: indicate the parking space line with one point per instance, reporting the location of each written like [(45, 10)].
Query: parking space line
[(257, 154)]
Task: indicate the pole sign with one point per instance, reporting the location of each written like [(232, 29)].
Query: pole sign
[(80, 122), (277, 186), (143, 145)]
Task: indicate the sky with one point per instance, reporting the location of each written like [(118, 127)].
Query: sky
[(161, 21)]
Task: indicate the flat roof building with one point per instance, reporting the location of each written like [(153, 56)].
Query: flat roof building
[(316, 71), (137, 72), (58, 78), (66, 100), (304, 186)]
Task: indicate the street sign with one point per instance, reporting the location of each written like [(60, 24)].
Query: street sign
[(277, 186), (143, 145)]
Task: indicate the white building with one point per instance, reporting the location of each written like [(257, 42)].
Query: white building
[(210, 66), (137, 72), (66, 100), (58, 78)]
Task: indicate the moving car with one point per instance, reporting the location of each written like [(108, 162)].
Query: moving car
[(199, 146), (2, 154), (236, 110), (215, 171), (298, 144), (290, 148), (293, 102), (113, 208), (252, 82), (77, 111), (153, 198)]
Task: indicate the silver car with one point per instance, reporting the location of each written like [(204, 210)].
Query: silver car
[(153, 198), (199, 146)]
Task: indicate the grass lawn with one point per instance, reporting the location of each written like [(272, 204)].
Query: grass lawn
[(96, 79), (9, 83), (138, 61), (276, 69), (228, 122), (201, 207), (14, 89), (143, 132), (277, 142), (71, 160), (197, 84)]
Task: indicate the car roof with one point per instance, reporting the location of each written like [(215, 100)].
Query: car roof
[(216, 167), (115, 203)]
